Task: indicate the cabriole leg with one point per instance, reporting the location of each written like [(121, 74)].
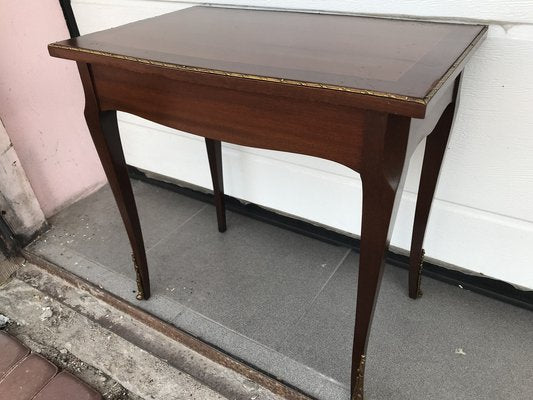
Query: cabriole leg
[(434, 153), (104, 131), (383, 174)]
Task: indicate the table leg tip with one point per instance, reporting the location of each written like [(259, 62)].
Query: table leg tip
[(140, 296)]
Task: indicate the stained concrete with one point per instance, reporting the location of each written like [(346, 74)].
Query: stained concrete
[(109, 349), (285, 303), (20, 208)]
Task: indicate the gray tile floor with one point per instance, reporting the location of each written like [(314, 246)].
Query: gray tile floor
[(285, 303)]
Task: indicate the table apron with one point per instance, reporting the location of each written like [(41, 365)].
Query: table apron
[(324, 130), (420, 128)]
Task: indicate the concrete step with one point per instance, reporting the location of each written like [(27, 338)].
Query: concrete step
[(47, 311)]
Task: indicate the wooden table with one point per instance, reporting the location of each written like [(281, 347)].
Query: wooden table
[(361, 91)]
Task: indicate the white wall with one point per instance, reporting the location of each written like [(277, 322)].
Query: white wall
[(482, 218)]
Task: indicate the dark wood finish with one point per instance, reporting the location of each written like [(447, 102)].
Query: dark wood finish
[(278, 89), (264, 121), (103, 127), (434, 153), (407, 58), (383, 174), (293, 82), (394, 65), (214, 154)]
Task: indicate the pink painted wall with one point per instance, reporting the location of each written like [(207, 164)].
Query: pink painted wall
[(41, 105)]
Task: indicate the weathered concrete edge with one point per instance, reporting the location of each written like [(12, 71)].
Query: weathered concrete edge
[(178, 356), (170, 331), (138, 371)]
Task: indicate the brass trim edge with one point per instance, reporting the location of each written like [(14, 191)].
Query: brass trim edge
[(454, 66), (420, 268), (140, 292), (358, 392), (243, 75)]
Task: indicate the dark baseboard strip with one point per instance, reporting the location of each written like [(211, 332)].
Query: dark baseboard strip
[(486, 286)]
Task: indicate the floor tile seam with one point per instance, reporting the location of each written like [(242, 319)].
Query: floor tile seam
[(49, 383), (300, 365), (133, 282), (148, 249), (315, 298), (240, 335), (110, 271), (76, 253), (88, 262), (26, 349), (277, 354), (200, 315), (19, 363), (14, 366), (225, 328), (56, 371), (104, 267), (154, 296), (343, 258)]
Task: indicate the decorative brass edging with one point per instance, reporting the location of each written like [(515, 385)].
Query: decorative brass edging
[(358, 392), (420, 267), (454, 66), (140, 292), (242, 75), (294, 82)]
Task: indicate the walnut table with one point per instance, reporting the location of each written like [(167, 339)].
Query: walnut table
[(360, 91)]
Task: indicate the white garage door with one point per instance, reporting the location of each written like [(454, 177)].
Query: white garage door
[(482, 218)]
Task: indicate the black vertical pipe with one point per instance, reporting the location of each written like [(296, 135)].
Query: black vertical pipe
[(69, 18)]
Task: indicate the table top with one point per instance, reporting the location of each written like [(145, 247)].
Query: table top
[(402, 59)]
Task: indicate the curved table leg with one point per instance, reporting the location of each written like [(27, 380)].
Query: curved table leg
[(434, 153), (103, 127), (214, 154), (383, 174)]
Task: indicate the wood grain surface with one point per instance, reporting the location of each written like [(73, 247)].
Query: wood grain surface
[(390, 57)]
